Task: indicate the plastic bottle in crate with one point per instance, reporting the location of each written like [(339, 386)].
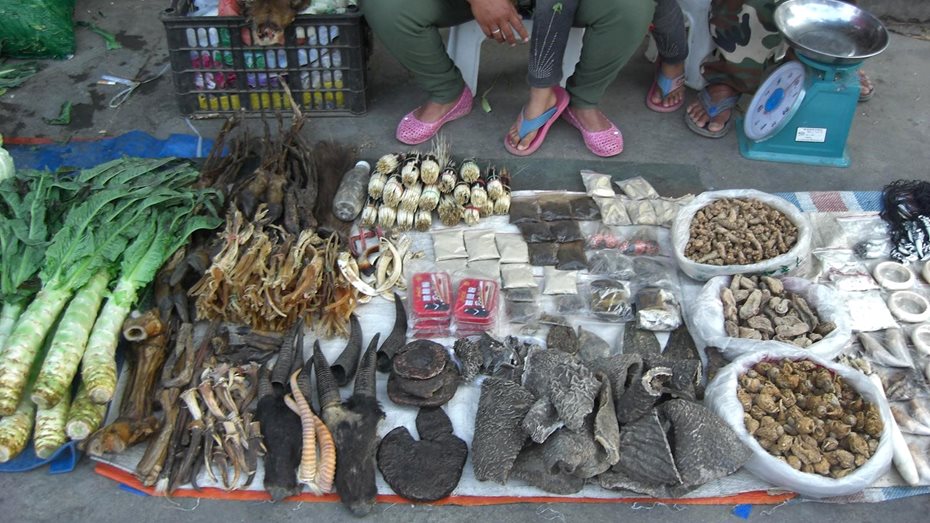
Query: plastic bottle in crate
[(350, 196)]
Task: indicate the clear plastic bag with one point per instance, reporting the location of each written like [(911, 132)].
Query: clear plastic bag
[(654, 272), (721, 397), (795, 261), (565, 231), (543, 254), (449, 244), (535, 232), (585, 208), (480, 245), (524, 210), (597, 184), (612, 211), (512, 248), (657, 309), (609, 299), (571, 257), (707, 319), (517, 275), (637, 188), (641, 212), (554, 207), (608, 262), (560, 282)]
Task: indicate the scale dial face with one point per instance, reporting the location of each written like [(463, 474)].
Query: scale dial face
[(776, 102)]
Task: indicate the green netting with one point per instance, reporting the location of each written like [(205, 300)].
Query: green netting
[(36, 28)]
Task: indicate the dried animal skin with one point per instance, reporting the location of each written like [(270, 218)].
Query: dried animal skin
[(541, 420), (470, 358), (639, 398), (499, 435), (591, 346), (705, 447), (646, 455), (622, 370), (570, 386), (562, 338), (532, 468), (640, 341), (424, 470), (606, 427)]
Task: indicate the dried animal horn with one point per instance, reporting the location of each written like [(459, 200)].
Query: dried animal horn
[(396, 339), (346, 364), (282, 369), (264, 383), (325, 383), (365, 379)]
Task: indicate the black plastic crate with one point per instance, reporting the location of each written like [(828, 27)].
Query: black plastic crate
[(216, 73)]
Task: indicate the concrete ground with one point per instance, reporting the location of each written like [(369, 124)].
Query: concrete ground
[(887, 142)]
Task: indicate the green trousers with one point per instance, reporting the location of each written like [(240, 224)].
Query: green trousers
[(409, 29)]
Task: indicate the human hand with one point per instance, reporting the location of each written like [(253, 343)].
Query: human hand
[(499, 20)]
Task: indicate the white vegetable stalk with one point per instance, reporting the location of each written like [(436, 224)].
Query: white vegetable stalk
[(8, 316), (68, 343), (15, 429), (7, 169), (84, 417), (24, 343), (98, 368), (50, 428)]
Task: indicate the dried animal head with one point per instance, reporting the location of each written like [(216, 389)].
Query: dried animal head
[(269, 18)]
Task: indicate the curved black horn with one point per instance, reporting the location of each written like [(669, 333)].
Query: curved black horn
[(346, 364), (365, 379)]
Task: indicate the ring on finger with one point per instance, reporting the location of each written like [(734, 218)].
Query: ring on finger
[(496, 31)]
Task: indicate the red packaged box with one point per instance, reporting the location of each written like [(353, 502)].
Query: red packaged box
[(476, 304)]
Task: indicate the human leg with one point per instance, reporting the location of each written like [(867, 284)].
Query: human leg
[(409, 30), (748, 44), (552, 21), (614, 29), (667, 91)]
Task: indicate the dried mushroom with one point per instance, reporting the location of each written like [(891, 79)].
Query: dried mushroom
[(759, 308), (739, 231), (808, 417)]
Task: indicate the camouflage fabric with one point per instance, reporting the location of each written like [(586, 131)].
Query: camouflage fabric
[(748, 43)]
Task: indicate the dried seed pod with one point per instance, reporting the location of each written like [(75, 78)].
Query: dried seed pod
[(388, 163), (376, 185), (429, 170), (393, 190), (429, 198), (470, 172)]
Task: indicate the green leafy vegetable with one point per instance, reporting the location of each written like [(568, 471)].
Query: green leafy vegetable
[(64, 115)]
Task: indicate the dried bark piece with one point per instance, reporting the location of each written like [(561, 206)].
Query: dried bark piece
[(499, 433), (706, 448)]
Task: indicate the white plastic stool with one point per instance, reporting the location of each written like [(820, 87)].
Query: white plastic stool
[(700, 45), (464, 47)]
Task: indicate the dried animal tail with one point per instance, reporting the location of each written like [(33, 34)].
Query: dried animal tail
[(326, 384), (365, 379)]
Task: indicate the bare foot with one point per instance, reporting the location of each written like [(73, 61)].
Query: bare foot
[(541, 100), (432, 111), (592, 119), (677, 95), (866, 87), (699, 115)]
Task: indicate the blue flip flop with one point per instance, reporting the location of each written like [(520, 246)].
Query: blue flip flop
[(541, 123), (713, 109)]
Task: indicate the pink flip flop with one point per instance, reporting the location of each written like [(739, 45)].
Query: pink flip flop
[(541, 124), (606, 143), (412, 131), (665, 85)]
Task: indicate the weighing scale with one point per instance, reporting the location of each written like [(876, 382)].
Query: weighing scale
[(803, 111)]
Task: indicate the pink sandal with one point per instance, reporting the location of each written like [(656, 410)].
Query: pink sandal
[(540, 124), (606, 143), (665, 86), (412, 131)]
